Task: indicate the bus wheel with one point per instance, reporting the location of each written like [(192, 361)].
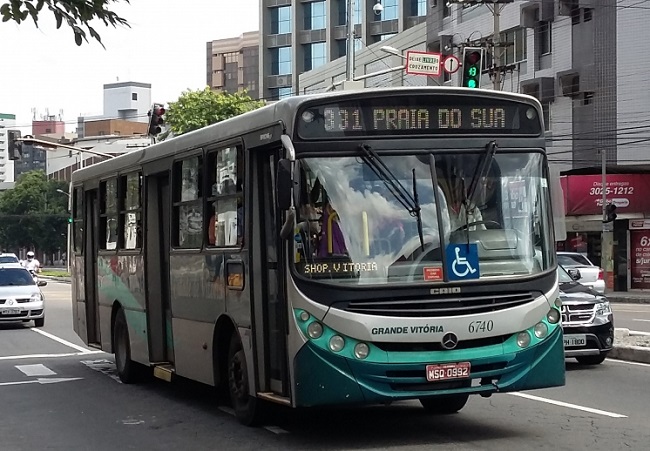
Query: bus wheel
[(125, 366), (443, 405), (248, 409)]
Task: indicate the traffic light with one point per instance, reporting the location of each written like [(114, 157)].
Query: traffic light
[(156, 119), (14, 147), (472, 60), (610, 213)]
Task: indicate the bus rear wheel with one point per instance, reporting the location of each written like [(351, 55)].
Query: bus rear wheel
[(444, 405), (126, 369), (248, 409)]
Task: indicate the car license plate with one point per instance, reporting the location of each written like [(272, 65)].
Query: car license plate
[(10, 311), (448, 371), (571, 341)]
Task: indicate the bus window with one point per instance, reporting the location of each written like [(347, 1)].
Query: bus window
[(108, 229), (226, 214), (131, 217), (188, 204), (77, 211)]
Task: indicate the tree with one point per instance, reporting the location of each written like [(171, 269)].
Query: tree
[(75, 13), (197, 109), (34, 214)]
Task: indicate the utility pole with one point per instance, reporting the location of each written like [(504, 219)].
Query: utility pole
[(349, 55)]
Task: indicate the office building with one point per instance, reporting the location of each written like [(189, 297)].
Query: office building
[(233, 64)]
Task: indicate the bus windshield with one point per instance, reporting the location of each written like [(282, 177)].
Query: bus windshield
[(359, 225)]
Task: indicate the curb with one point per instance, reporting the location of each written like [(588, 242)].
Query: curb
[(637, 354), (56, 279), (628, 300)]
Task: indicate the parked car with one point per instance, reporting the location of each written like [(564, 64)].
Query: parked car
[(587, 321), (8, 258), (589, 274), (21, 298)]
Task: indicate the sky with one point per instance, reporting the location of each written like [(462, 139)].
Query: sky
[(44, 69)]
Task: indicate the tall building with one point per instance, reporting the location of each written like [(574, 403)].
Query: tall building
[(7, 121), (48, 125), (297, 36), (233, 64)]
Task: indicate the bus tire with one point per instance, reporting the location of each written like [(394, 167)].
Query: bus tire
[(444, 405), (126, 369), (248, 409)]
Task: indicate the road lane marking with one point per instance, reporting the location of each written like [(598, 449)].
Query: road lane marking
[(51, 380), (103, 366), (569, 405), (63, 342), (35, 370), (628, 362), (639, 319), (46, 356)]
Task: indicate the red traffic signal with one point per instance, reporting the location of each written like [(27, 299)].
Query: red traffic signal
[(156, 119)]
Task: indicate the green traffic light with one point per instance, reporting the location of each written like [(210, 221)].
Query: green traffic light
[(69, 220), (471, 83), (472, 71)]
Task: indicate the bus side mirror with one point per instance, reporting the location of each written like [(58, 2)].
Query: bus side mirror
[(284, 182)]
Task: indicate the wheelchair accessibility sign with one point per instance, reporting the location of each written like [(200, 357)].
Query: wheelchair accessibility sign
[(462, 262)]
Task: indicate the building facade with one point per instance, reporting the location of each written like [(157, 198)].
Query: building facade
[(7, 121), (233, 64), (299, 36)]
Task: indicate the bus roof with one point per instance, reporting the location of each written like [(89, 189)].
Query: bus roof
[(282, 111)]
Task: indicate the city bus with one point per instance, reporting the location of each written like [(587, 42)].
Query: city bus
[(354, 247)]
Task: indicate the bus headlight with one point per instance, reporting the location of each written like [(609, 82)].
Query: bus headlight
[(523, 339), (541, 330), (336, 343), (304, 316), (553, 316), (361, 351), (558, 302), (315, 330)]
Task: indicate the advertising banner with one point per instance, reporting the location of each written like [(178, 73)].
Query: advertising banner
[(640, 259), (584, 194)]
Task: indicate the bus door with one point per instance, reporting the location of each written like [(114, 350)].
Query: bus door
[(269, 302), (90, 267), (157, 242)]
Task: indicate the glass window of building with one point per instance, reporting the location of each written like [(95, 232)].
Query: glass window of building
[(315, 55), (357, 11), (383, 37), (315, 17), (281, 20), (281, 61), (516, 51), (391, 10), (418, 7), (544, 38), (281, 93)]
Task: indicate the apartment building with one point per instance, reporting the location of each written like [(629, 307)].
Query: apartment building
[(7, 121), (233, 64)]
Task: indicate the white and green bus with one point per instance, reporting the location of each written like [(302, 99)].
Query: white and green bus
[(343, 248)]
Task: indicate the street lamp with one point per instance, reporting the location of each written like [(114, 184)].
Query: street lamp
[(62, 192)]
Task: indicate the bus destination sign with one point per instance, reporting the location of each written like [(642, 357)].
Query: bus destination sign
[(437, 115)]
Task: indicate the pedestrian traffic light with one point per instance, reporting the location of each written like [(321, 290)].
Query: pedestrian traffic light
[(156, 119), (14, 147), (610, 213), (472, 60)]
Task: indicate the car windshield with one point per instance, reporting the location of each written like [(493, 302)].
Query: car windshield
[(563, 275), (8, 259), (357, 224), (15, 276), (573, 260)]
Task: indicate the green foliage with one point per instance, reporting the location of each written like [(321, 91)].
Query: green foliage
[(75, 13), (34, 214), (196, 109)]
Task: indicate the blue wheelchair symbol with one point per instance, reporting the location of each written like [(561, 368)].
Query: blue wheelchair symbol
[(462, 262)]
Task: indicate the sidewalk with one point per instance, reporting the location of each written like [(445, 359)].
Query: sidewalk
[(630, 297)]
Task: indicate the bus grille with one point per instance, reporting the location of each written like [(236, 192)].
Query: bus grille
[(457, 304)]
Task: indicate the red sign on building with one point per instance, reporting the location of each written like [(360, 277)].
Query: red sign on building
[(583, 194)]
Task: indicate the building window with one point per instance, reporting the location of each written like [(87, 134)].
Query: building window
[(226, 199), (281, 20), (315, 17), (446, 8), (187, 229), (314, 55), (357, 11), (515, 52), (544, 37), (281, 93), (281, 61), (383, 37), (419, 7), (358, 44), (134, 96), (588, 14), (108, 213), (343, 12), (546, 112), (131, 210), (391, 10)]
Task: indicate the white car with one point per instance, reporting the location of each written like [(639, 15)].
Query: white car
[(582, 270), (21, 299), (8, 258)]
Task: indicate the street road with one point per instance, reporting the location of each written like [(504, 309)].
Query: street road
[(58, 395), (632, 316)]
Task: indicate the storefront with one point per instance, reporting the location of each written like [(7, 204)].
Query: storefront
[(621, 248)]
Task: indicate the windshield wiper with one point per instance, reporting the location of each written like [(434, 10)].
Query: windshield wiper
[(481, 171), (409, 201)]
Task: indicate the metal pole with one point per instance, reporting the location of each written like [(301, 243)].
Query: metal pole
[(349, 55), (496, 50), (604, 185)]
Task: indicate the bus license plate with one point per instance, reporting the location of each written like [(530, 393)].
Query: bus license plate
[(571, 341), (448, 371), (10, 311)]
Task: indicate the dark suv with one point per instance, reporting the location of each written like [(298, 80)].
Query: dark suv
[(587, 321)]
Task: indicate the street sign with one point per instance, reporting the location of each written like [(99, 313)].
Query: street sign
[(423, 63), (451, 64)]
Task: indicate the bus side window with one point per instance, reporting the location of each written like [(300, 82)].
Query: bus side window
[(226, 197), (130, 210), (188, 203), (108, 213), (78, 215)]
